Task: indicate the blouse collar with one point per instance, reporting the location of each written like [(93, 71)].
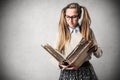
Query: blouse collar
[(74, 30)]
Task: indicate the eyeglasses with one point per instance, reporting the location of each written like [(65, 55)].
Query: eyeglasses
[(75, 17)]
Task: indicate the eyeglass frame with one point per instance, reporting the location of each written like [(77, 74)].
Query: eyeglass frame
[(74, 17)]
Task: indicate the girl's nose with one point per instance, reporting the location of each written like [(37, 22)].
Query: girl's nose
[(71, 20)]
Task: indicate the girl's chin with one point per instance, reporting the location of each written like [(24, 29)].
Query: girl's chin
[(72, 26)]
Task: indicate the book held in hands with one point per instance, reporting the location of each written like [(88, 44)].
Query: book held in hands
[(76, 57)]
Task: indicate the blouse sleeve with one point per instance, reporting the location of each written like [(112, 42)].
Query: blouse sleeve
[(99, 51)]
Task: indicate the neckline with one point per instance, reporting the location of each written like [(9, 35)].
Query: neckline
[(74, 29)]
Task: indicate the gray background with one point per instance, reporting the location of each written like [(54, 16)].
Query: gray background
[(26, 24)]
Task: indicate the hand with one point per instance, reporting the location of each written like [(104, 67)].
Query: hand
[(68, 67), (63, 64), (72, 67), (93, 49)]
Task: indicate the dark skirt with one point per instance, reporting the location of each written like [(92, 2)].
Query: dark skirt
[(85, 72)]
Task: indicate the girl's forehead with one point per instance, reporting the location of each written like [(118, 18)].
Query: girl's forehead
[(71, 11)]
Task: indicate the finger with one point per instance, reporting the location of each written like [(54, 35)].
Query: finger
[(68, 68), (71, 68), (64, 68)]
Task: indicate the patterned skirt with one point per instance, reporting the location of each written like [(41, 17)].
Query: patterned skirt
[(85, 72)]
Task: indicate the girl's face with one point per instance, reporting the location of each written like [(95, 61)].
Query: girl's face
[(72, 17)]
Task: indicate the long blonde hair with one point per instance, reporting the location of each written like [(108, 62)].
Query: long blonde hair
[(64, 34)]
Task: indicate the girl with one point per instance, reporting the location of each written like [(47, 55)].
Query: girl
[(74, 25)]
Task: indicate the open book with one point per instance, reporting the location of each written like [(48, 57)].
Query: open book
[(76, 57)]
